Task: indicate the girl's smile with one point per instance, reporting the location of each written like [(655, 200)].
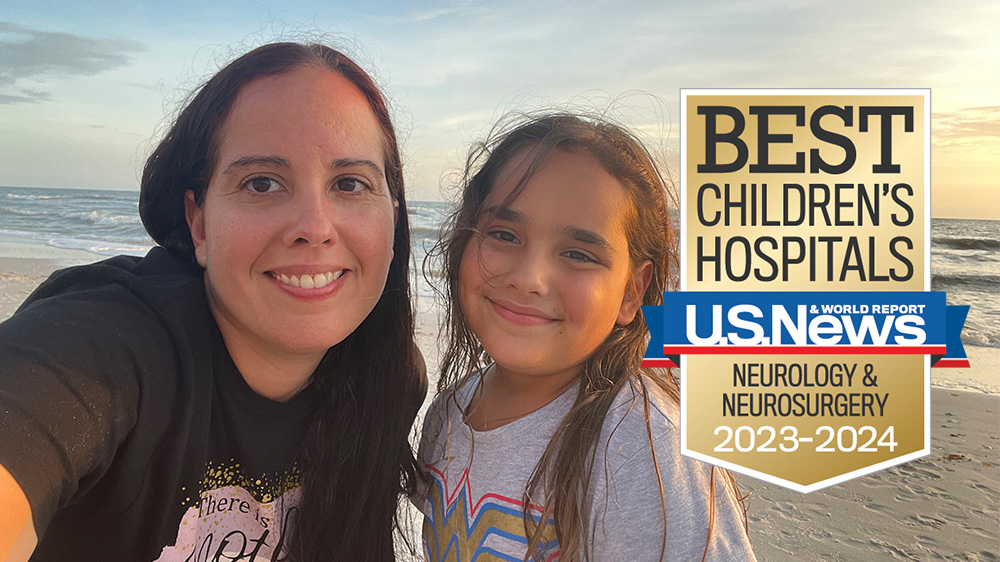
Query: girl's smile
[(521, 315)]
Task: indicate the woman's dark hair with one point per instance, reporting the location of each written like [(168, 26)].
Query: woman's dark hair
[(562, 475), (356, 458)]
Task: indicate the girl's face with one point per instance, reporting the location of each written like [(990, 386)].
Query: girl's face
[(296, 230), (550, 275)]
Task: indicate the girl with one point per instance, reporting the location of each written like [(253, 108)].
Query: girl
[(547, 441)]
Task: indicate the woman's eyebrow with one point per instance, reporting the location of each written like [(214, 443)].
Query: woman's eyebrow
[(256, 160), (279, 162), (352, 162)]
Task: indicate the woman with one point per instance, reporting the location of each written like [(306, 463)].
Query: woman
[(246, 390)]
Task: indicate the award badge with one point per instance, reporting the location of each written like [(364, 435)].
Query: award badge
[(805, 328)]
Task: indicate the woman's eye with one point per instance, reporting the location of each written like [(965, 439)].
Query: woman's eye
[(351, 185), (262, 184)]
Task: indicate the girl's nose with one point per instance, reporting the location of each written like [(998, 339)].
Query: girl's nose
[(313, 219), (529, 272)]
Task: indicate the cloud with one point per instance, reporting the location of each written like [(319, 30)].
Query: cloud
[(25, 96), (974, 126), (27, 53), (425, 15)]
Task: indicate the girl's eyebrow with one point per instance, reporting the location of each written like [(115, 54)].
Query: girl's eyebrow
[(256, 159), (576, 233), (503, 213), (587, 237)]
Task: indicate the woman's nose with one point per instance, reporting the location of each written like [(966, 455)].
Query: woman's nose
[(313, 219)]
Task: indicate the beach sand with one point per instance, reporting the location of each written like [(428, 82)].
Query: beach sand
[(945, 506)]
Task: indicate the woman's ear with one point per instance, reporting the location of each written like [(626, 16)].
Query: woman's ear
[(634, 291), (195, 217)]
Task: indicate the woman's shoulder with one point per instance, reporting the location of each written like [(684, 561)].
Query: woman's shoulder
[(128, 311), (154, 277), (125, 293)]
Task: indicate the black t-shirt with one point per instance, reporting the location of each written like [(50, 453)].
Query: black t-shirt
[(129, 428)]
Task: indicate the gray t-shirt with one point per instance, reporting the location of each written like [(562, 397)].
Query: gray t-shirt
[(474, 506)]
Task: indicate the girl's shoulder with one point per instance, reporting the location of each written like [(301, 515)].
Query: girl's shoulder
[(447, 406), (639, 474), (642, 421), (456, 396), (642, 394)]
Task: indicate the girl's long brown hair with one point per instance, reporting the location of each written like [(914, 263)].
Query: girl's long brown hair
[(563, 474)]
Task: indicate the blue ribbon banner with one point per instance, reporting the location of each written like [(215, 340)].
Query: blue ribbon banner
[(704, 322)]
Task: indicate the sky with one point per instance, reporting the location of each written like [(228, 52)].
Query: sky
[(87, 87)]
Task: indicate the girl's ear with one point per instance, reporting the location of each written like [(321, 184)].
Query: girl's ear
[(195, 217), (637, 285)]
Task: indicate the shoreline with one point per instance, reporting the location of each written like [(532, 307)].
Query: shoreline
[(944, 506), (23, 266)]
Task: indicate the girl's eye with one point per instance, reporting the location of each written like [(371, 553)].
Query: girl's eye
[(577, 255), (352, 185), (262, 184), (503, 235)]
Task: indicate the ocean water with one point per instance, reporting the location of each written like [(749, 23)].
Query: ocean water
[(965, 262), (965, 254), (106, 223)]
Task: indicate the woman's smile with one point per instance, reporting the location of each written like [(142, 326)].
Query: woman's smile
[(307, 281), (309, 287)]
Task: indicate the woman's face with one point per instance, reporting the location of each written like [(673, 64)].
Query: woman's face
[(296, 230)]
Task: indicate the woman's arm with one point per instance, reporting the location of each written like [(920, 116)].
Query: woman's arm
[(69, 396), (17, 532)]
